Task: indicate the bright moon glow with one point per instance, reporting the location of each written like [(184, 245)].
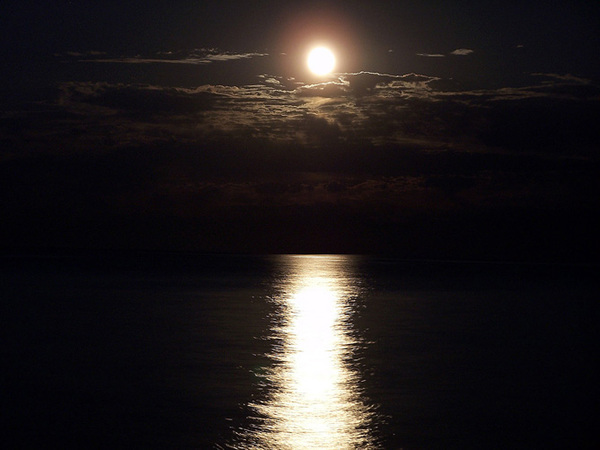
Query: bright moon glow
[(321, 61)]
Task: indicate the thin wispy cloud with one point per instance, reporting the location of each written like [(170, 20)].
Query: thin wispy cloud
[(457, 52), (195, 57), (565, 78), (462, 52), (82, 54)]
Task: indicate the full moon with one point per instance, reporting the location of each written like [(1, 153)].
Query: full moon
[(321, 61)]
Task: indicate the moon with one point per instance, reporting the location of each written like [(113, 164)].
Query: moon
[(321, 61)]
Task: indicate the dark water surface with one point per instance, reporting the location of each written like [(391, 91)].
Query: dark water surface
[(182, 351)]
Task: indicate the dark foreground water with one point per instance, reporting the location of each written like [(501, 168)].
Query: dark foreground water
[(290, 352)]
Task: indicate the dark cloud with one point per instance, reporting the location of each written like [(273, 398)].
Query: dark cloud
[(365, 161), (544, 125), (550, 114), (145, 99), (328, 89), (79, 54), (363, 83), (248, 196)]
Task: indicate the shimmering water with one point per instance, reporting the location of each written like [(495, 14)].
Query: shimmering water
[(314, 396), (295, 352)]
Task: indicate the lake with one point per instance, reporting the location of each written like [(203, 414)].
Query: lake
[(159, 350)]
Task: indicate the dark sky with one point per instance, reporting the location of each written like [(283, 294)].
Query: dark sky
[(448, 130)]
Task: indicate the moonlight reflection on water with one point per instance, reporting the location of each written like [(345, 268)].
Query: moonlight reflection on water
[(314, 398)]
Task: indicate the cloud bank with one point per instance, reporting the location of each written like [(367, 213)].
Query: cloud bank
[(366, 161), (363, 108)]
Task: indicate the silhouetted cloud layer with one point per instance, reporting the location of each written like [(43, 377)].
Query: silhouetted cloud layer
[(365, 108), (362, 161)]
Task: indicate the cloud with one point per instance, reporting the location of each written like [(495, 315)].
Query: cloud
[(457, 52), (565, 78), (144, 99), (362, 83), (81, 54), (462, 51), (329, 89), (359, 109), (387, 150), (272, 80), (233, 56), (194, 57)]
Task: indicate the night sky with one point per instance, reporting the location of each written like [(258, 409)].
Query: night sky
[(461, 130)]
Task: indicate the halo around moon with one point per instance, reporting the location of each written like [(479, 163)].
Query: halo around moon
[(321, 61)]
